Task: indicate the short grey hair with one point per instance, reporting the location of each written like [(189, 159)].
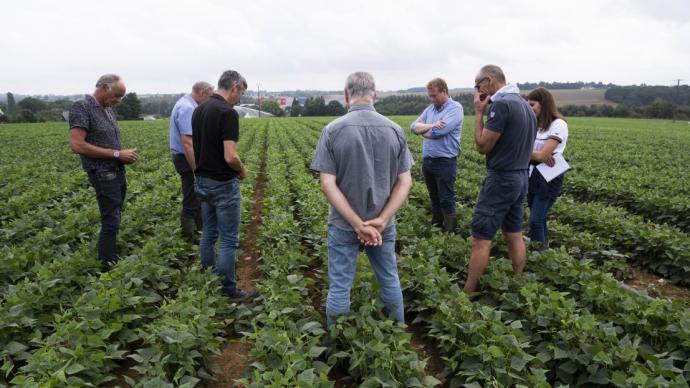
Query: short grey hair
[(494, 72), (107, 81), (360, 84), (202, 87), (231, 78)]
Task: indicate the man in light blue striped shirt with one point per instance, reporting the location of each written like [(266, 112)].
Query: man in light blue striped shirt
[(441, 125)]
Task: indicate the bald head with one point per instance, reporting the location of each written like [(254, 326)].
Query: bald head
[(201, 91), (489, 80), (110, 89), (107, 81), (491, 71)]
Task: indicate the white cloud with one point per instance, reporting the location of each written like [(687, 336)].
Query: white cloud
[(163, 46)]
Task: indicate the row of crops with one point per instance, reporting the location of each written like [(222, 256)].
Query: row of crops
[(156, 319)]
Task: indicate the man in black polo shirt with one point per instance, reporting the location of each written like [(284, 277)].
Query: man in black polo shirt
[(507, 141), (215, 133), (95, 136)]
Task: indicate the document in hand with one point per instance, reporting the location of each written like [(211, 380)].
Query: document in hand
[(558, 168)]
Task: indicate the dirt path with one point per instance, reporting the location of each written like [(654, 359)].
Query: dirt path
[(234, 356), (426, 349), (655, 286)]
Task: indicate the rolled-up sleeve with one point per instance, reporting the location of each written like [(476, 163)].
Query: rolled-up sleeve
[(420, 119)]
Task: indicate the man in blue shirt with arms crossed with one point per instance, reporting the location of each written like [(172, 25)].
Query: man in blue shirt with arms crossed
[(441, 126)]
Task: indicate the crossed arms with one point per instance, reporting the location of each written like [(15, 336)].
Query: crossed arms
[(450, 120)]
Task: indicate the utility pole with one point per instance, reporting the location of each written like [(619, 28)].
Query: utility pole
[(676, 103), (258, 93)]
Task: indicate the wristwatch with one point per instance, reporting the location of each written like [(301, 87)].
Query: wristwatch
[(116, 154)]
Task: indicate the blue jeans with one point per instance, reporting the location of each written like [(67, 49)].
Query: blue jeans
[(220, 212), (343, 247), (439, 176), (111, 188), (539, 208)]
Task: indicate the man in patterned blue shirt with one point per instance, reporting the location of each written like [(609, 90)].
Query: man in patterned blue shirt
[(95, 136), (441, 125)]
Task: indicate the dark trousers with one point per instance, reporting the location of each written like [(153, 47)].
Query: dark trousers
[(439, 176), (538, 212), (111, 188), (191, 206)]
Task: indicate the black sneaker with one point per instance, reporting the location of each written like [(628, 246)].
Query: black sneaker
[(243, 296)]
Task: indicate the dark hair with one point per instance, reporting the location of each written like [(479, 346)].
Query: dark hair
[(438, 84), (549, 112), (231, 78)]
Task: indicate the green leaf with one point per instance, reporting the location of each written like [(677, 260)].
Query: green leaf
[(189, 381), (15, 347), (430, 381), (74, 369), (310, 326), (315, 351), (518, 363)]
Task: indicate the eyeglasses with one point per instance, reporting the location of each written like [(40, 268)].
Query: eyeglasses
[(476, 86)]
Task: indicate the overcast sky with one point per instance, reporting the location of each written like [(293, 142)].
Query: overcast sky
[(62, 47)]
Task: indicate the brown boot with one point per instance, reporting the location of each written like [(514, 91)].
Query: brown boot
[(188, 228), (437, 218), (449, 223)]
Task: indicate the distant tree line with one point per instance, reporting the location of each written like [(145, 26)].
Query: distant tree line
[(656, 110), (647, 95), (36, 110), (32, 110), (564, 85), (643, 101), (317, 106), (415, 104)]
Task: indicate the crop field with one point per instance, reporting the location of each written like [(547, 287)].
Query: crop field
[(157, 320)]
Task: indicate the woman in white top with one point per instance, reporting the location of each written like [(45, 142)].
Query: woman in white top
[(551, 139)]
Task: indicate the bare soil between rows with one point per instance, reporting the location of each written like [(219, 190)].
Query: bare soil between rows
[(234, 357)]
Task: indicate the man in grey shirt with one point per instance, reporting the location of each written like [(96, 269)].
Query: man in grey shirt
[(364, 165)]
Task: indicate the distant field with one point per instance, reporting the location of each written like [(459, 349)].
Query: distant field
[(563, 96), (581, 97)]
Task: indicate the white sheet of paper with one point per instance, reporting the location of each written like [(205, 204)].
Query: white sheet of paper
[(558, 168)]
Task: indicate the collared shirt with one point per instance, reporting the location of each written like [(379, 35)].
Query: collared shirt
[(101, 130), (213, 123), (506, 90), (444, 142), (181, 122), (366, 152), (512, 117)]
